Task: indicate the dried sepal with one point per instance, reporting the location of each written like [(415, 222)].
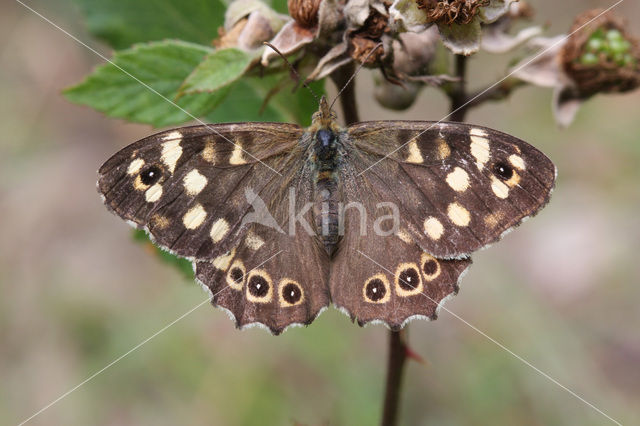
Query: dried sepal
[(496, 37), (295, 35), (249, 23)]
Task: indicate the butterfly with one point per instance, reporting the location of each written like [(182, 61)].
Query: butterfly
[(379, 218)]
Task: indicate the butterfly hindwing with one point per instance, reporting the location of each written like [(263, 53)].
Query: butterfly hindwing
[(390, 279), (460, 186), (270, 279), (188, 187)]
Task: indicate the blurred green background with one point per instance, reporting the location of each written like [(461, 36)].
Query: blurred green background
[(77, 292)]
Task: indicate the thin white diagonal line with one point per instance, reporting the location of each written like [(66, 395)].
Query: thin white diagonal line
[(88, 379), (64, 395), (562, 40), (208, 126), (518, 357)]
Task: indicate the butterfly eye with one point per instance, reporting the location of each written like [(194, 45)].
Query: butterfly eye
[(150, 175), (291, 293), (503, 171), (375, 290), (409, 279), (237, 275), (258, 286), (430, 267)]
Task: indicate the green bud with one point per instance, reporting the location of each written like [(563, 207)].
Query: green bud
[(589, 59), (595, 44), (619, 46), (614, 34), (629, 59), (597, 35)]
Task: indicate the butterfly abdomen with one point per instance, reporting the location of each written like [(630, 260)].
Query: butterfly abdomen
[(326, 210), (326, 202)]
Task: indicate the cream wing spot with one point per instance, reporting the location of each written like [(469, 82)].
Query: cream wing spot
[(222, 262), (209, 152), (458, 180), (171, 150), (139, 185), (253, 241), (443, 149), (135, 166), (194, 217), (236, 156), (414, 153), (480, 150), (476, 131), (153, 194), (219, 229), (404, 236), (517, 161), (433, 228), (458, 214), (194, 182), (500, 189)]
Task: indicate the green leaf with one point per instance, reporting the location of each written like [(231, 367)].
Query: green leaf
[(218, 69), (122, 23), (183, 265), (163, 66), (247, 97)]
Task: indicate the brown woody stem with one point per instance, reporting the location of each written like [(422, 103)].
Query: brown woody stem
[(395, 368), (348, 98), (459, 96)]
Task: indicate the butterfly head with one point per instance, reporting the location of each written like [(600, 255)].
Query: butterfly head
[(324, 118)]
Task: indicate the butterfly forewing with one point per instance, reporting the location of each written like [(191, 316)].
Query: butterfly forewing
[(460, 187), (188, 186)]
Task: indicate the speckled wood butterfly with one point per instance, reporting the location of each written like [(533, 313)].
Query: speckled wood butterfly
[(279, 220)]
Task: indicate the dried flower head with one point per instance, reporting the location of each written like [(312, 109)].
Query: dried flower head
[(460, 12), (600, 58), (459, 21), (304, 12)]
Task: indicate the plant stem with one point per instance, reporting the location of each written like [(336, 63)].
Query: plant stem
[(459, 96), (348, 98), (395, 368)]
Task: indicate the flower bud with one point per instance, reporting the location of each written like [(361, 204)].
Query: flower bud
[(603, 57), (304, 12)]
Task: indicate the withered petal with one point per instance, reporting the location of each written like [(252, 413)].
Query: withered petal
[(462, 39), (289, 39)]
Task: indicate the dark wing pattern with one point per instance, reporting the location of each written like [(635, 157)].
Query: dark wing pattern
[(188, 186), (380, 273), (460, 187), (193, 189)]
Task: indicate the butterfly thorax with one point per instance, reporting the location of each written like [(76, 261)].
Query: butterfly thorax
[(326, 184)]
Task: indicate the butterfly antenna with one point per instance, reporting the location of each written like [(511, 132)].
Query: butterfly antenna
[(366, 59), (293, 70)]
